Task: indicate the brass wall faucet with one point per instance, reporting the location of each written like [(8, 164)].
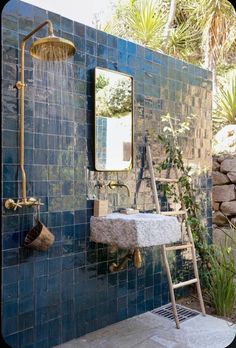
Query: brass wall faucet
[(113, 184)]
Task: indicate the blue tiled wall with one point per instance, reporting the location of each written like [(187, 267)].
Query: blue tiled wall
[(51, 297)]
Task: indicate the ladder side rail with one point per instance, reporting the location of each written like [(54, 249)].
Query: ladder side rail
[(171, 288), (194, 258), (153, 181)]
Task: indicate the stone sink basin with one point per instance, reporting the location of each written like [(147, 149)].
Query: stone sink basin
[(135, 230)]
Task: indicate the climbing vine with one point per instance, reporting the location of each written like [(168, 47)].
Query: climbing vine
[(217, 268), (174, 159)]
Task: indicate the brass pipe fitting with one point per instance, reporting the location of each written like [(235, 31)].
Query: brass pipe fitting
[(135, 256), (113, 184), (30, 202)]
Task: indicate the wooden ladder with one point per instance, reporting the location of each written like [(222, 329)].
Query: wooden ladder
[(184, 245)]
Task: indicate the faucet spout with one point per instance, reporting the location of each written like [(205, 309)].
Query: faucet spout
[(113, 184)]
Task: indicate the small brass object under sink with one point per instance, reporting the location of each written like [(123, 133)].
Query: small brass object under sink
[(135, 256)]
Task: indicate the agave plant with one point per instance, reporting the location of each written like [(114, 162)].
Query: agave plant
[(141, 21), (225, 105), (182, 42), (146, 20)]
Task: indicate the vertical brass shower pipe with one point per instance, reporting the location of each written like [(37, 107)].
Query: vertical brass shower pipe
[(20, 85)]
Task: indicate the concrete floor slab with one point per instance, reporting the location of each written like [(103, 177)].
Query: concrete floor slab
[(151, 331)]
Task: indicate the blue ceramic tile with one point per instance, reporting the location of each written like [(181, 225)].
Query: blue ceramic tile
[(10, 274), (55, 265), (80, 216), (26, 271), (66, 25), (79, 29), (67, 218), (40, 268), (10, 257), (131, 47), (26, 288), (68, 262), (91, 47), (10, 291), (10, 308), (26, 337), (10, 38), (40, 285), (26, 320), (90, 34), (102, 37), (26, 305), (79, 43), (11, 223), (54, 281), (112, 41), (101, 62), (12, 340), (10, 326)]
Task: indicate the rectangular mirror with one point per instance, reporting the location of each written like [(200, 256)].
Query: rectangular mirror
[(113, 120)]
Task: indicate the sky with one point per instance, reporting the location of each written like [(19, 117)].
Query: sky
[(82, 11)]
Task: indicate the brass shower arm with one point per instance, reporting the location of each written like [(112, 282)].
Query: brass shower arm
[(50, 30)]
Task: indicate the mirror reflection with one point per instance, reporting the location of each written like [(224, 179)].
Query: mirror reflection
[(113, 120)]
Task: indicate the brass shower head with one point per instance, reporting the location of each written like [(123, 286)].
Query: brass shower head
[(52, 48)]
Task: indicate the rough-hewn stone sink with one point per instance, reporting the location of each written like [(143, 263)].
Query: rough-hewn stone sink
[(135, 230)]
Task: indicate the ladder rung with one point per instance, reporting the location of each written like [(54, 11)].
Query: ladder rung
[(166, 180), (178, 247), (188, 282), (177, 212)]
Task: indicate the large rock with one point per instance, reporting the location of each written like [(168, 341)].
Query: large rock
[(224, 141), (215, 206), (215, 165), (219, 178), (232, 177), (219, 219), (221, 158), (233, 220), (228, 165), (219, 236), (224, 193), (228, 208)]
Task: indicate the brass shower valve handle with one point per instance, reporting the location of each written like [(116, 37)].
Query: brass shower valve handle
[(17, 204), (11, 204), (19, 85)]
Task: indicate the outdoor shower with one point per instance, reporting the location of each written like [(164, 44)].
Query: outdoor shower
[(50, 48)]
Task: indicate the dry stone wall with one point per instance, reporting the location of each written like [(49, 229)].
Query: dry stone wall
[(224, 190), (224, 200)]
